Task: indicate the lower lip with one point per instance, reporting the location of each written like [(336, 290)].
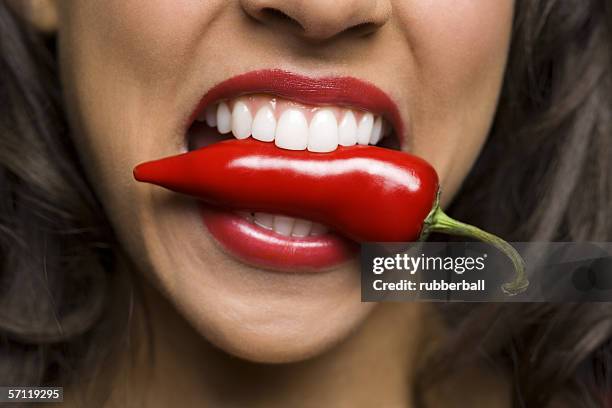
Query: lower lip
[(264, 248)]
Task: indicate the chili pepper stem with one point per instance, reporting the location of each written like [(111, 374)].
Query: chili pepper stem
[(438, 221)]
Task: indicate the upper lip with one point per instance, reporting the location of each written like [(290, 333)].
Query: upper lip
[(335, 90)]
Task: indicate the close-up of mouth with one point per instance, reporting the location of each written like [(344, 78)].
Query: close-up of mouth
[(295, 185), (295, 113)]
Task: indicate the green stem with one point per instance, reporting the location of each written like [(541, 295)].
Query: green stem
[(438, 221)]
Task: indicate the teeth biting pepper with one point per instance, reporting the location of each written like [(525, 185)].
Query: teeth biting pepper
[(365, 193)]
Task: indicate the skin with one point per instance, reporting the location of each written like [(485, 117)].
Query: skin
[(132, 71)]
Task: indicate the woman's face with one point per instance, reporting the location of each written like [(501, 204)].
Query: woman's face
[(134, 71)]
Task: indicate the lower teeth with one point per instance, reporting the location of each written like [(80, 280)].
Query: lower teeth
[(283, 225)]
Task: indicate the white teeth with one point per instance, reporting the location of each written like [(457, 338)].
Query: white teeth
[(323, 132), (264, 125), (364, 130), (347, 130), (283, 225), (242, 121), (211, 115), (224, 118), (301, 228), (292, 131), (376, 131), (264, 220)]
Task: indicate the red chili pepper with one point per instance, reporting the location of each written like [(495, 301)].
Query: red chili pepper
[(366, 193)]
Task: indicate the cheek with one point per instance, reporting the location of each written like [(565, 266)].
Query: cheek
[(460, 50), (148, 39), (122, 63)]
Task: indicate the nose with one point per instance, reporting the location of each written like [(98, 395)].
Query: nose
[(320, 20)]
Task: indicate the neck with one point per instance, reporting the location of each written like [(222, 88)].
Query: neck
[(375, 366)]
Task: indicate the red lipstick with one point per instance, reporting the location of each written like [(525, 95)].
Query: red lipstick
[(263, 248)]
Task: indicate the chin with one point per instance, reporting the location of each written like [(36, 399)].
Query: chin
[(274, 318), (287, 342)]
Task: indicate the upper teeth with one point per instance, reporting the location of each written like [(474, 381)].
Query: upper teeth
[(295, 127)]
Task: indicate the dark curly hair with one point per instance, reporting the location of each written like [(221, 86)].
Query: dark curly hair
[(544, 174)]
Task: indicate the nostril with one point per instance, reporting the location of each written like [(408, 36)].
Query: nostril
[(275, 15), (362, 29), (320, 20)]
